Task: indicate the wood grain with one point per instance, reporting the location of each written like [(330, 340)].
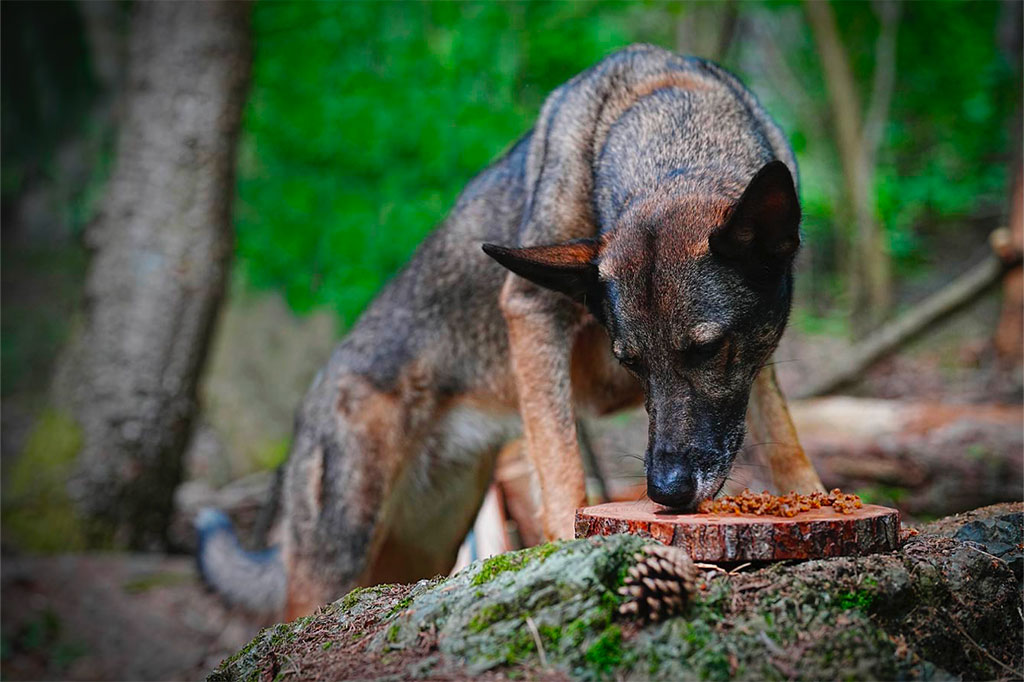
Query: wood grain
[(814, 534)]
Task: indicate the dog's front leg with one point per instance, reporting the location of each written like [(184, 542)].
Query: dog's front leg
[(541, 327), (769, 423)]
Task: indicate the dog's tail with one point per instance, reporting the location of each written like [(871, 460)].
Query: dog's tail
[(253, 580)]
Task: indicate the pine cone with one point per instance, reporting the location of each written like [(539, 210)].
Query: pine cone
[(659, 584)]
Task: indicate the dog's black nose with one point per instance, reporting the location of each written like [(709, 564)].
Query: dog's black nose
[(670, 481)]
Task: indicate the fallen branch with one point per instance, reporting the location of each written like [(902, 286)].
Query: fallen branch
[(903, 329)]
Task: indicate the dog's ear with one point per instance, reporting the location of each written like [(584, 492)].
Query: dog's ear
[(762, 234), (569, 268)]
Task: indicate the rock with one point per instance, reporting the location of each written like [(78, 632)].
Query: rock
[(938, 608), (998, 530)]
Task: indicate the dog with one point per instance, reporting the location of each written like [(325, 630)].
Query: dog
[(637, 247)]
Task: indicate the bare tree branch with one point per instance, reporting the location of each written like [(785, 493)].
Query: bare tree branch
[(888, 12)]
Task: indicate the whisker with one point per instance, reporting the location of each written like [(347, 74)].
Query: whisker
[(758, 445), (631, 456), (778, 362), (749, 465)]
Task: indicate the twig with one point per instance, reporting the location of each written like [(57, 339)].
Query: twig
[(980, 647), (976, 549), (896, 333), (536, 640), (770, 644), (754, 586), (883, 79)]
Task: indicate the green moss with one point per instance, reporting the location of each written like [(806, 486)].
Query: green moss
[(38, 514), (392, 635), (575, 632), (154, 580), (605, 654), (512, 561), (551, 634), (402, 605), (350, 599), (326, 645), (245, 664), (487, 616), (859, 599), (520, 646), (356, 595), (272, 454)]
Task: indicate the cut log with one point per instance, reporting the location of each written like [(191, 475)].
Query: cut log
[(929, 459), (814, 534)]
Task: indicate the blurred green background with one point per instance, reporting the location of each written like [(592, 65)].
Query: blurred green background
[(366, 119)]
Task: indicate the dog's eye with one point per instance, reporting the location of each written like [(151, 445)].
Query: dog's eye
[(702, 352), (631, 362)]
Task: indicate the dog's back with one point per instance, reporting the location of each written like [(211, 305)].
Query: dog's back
[(402, 425)]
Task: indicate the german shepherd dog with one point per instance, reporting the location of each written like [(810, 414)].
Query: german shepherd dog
[(640, 239)]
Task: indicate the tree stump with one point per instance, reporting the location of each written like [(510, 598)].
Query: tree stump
[(814, 534)]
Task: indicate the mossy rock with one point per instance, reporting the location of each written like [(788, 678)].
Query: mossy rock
[(938, 608)]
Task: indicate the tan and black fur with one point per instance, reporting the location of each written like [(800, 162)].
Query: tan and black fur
[(650, 218)]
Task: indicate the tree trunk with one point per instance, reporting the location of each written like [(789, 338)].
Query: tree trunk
[(1009, 336), (162, 246), (706, 29), (868, 266)]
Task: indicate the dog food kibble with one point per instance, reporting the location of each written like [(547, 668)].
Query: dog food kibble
[(766, 504)]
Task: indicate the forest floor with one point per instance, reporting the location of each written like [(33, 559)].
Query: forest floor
[(113, 617)]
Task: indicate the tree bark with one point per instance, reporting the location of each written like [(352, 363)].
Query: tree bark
[(1009, 336), (707, 29), (162, 246)]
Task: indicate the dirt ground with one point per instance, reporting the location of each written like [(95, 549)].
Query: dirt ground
[(113, 617)]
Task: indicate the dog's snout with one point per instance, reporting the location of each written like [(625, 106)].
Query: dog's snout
[(671, 481)]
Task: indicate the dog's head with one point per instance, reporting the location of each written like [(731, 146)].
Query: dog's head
[(694, 292)]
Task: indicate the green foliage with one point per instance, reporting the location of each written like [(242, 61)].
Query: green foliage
[(47, 83), (271, 455), (938, 165), (365, 120), (41, 291)]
